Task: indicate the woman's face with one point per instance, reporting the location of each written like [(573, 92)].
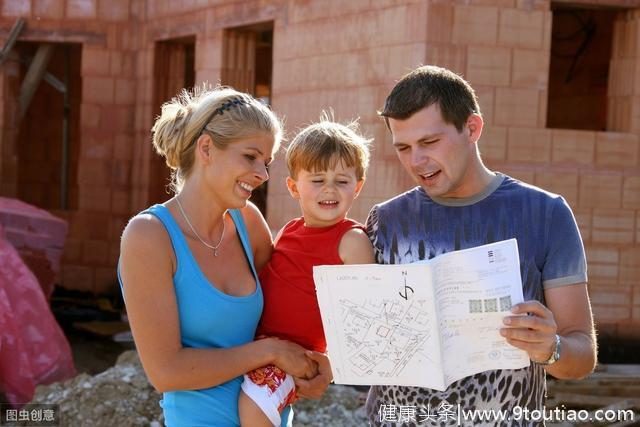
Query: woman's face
[(235, 171)]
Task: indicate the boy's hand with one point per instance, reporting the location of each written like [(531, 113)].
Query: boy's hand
[(315, 387)]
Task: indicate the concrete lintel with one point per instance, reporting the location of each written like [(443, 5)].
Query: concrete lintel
[(60, 36)]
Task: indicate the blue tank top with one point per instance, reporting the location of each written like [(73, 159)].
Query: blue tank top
[(208, 318)]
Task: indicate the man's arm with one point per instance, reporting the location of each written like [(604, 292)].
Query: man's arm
[(568, 314)]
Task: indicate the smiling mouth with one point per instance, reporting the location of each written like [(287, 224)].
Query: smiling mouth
[(245, 186), (328, 203), (429, 175)]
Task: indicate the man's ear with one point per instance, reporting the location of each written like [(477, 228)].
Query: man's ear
[(359, 187), (293, 188), (474, 124)]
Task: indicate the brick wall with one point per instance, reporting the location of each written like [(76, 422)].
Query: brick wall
[(346, 56)]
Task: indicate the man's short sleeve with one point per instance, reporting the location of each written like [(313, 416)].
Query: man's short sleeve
[(565, 262)]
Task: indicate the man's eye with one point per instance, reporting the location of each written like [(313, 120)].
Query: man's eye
[(343, 182), (250, 157), (401, 148), (317, 181)]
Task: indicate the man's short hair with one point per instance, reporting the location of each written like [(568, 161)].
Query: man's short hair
[(428, 85)]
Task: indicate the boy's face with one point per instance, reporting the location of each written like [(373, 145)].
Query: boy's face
[(325, 196)]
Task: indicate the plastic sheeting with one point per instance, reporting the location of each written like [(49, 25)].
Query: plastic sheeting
[(33, 348)]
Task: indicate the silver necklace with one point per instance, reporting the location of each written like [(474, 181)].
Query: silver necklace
[(214, 248)]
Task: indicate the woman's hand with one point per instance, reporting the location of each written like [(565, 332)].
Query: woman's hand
[(315, 387), (291, 358)]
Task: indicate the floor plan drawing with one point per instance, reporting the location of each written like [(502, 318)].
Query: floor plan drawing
[(384, 336)]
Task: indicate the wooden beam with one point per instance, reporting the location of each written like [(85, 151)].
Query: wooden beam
[(37, 69), (11, 40)]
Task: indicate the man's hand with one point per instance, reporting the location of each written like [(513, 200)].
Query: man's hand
[(532, 330), (315, 387)]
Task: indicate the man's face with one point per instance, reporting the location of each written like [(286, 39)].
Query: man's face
[(436, 155)]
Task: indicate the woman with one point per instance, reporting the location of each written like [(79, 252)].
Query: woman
[(188, 266)]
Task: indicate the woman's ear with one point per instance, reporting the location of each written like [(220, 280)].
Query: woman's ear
[(205, 148)]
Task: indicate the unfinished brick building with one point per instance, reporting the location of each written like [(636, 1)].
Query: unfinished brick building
[(559, 86)]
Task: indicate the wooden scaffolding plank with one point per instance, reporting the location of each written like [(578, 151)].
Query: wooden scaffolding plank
[(36, 71), (11, 40)]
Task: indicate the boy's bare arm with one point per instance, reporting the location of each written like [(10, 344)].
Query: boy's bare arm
[(356, 248)]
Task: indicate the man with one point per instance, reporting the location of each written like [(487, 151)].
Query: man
[(435, 121)]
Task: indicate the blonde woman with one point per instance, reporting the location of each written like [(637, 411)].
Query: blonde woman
[(188, 267)]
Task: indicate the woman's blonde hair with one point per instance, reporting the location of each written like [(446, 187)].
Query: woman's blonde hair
[(320, 146), (225, 114)]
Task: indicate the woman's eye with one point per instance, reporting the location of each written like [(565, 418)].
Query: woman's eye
[(317, 181), (343, 182), (250, 157)]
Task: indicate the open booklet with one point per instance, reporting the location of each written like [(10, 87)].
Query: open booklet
[(424, 324)]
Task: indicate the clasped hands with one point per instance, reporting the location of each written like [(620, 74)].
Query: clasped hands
[(531, 328)]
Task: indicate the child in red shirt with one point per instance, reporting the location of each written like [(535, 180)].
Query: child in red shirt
[(327, 162)]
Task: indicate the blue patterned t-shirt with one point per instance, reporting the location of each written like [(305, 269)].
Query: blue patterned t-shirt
[(413, 227)]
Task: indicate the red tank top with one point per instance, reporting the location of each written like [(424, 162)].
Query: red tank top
[(290, 306)]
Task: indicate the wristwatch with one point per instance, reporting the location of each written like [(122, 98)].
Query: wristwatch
[(555, 355)]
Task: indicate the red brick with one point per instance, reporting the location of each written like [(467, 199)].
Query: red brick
[(121, 202), (524, 174), (521, 28), (95, 252), (114, 252), (572, 146), (95, 62), (602, 254), (631, 192), (600, 190), (94, 172), (125, 92), (113, 10), (616, 149), (563, 183), (488, 66), (475, 25), (89, 116), (620, 296), (94, 199), (584, 220), (98, 90), (493, 143), (439, 22), (529, 145), (78, 277), (449, 56), (630, 266), (47, 9), (95, 145), (72, 250), (605, 313), (81, 9), (516, 107), (123, 147), (16, 8), (486, 99), (530, 69), (603, 274), (543, 98), (613, 226), (106, 281)]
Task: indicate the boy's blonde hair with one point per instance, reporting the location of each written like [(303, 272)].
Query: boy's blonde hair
[(322, 145)]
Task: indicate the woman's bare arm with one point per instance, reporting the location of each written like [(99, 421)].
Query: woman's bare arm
[(146, 268)]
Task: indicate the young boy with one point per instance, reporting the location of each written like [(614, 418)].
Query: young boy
[(327, 162)]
